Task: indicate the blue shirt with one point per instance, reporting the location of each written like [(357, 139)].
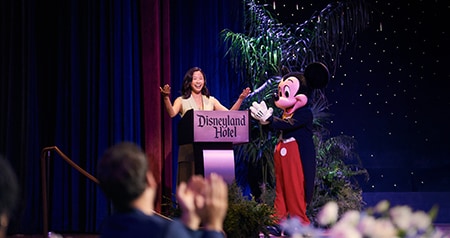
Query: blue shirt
[(135, 223)]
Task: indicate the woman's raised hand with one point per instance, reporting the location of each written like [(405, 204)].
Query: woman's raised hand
[(245, 93), (165, 90)]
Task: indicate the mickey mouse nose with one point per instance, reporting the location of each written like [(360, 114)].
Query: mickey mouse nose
[(275, 97)]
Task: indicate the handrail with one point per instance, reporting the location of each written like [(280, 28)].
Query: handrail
[(44, 182)]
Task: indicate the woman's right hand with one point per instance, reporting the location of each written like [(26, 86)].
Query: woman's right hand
[(165, 90)]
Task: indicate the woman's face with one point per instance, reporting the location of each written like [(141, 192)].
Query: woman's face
[(197, 82)]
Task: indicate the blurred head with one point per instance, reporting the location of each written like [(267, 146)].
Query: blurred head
[(194, 80), (123, 174), (9, 194)]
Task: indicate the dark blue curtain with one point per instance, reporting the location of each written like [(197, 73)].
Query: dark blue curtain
[(96, 99), (70, 77), (195, 41), (195, 34), (19, 121)]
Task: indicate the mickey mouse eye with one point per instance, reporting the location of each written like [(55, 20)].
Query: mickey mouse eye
[(287, 91)]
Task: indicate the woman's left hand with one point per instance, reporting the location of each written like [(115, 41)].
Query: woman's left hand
[(245, 93)]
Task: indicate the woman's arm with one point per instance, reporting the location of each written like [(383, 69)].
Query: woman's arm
[(241, 98), (174, 109), (219, 107)]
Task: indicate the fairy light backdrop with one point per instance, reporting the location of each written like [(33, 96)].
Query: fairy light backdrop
[(391, 92)]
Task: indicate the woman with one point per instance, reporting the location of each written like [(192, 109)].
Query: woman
[(195, 95)]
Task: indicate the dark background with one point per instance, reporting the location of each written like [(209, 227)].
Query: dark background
[(391, 93)]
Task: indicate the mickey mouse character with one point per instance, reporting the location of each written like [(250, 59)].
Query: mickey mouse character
[(295, 154)]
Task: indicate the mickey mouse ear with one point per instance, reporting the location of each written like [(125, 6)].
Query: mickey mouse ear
[(317, 75), (285, 70)]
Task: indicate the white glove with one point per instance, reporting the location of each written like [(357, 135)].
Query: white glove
[(260, 112)]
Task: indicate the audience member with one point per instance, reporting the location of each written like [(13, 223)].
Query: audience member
[(126, 179)]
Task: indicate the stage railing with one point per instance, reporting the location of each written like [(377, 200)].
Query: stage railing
[(45, 153)]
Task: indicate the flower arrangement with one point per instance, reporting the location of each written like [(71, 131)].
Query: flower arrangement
[(381, 221)]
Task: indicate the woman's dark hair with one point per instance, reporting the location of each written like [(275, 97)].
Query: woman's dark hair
[(186, 89)]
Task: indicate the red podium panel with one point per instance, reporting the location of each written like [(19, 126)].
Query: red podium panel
[(213, 134)]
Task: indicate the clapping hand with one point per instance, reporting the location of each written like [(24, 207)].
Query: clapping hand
[(203, 200), (215, 202), (186, 197)]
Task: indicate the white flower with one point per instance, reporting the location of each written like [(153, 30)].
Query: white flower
[(378, 222), (382, 206), (329, 214), (401, 216), (367, 225), (297, 229), (351, 218), (383, 228), (420, 220), (344, 230)]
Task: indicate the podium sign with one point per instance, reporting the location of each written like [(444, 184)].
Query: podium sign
[(214, 126), (213, 134), (221, 126)]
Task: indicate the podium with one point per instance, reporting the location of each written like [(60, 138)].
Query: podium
[(213, 134)]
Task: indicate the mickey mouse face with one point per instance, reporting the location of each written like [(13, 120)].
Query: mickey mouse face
[(286, 98)]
